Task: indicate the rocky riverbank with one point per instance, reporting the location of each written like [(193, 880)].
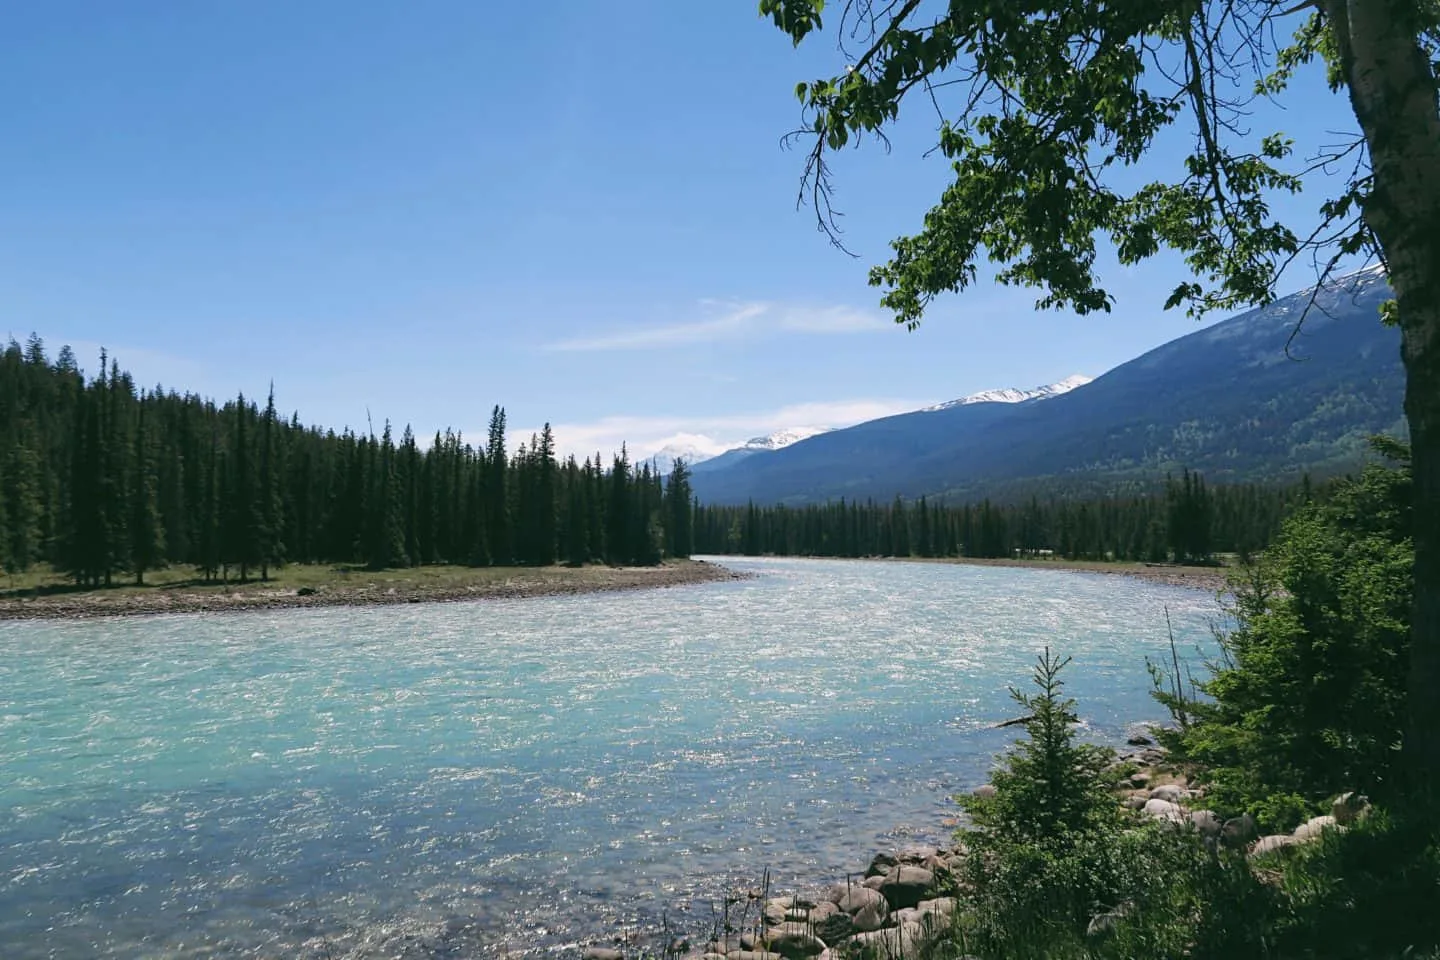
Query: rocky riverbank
[(348, 588), (907, 897)]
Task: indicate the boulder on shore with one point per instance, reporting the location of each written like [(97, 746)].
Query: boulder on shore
[(1274, 843), (872, 916), (794, 940), (1238, 831), (1312, 828), (1207, 822), (857, 898), (1349, 807), (1157, 809), (906, 886)]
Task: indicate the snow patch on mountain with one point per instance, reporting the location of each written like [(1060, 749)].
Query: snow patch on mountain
[(782, 438), (663, 460), (1015, 395)]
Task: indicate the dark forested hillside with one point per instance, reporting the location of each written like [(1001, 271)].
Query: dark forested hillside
[(1250, 399), (99, 478), (1188, 522)]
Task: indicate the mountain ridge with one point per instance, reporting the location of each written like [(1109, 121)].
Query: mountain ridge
[(1247, 398)]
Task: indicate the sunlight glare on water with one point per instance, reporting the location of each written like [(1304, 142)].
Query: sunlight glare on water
[(439, 780)]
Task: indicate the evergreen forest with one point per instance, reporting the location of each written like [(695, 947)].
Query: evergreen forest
[(1189, 522), (99, 479)]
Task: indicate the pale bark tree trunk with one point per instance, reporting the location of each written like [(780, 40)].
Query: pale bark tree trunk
[(1394, 94)]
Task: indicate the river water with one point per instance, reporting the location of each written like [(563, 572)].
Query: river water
[(459, 779)]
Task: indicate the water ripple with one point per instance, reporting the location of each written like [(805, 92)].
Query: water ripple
[(430, 781)]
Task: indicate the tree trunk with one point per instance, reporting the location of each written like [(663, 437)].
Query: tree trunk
[(1393, 92)]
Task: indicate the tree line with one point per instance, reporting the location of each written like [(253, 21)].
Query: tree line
[(99, 479), (1188, 522)]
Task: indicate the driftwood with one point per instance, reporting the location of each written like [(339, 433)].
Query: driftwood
[(1017, 721)]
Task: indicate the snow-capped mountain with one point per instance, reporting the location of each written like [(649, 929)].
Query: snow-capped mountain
[(1228, 400), (1015, 395), (782, 438), (662, 461)]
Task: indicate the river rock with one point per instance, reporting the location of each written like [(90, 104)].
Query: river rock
[(820, 912), (1272, 844), (1158, 809), (753, 955), (1312, 828), (1349, 807), (906, 886), (1139, 740), (1207, 822), (872, 916), (875, 882), (794, 940), (985, 791), (1139, 779), (602, 953), (919, 856), (1172, 792), (857, 898), (1239, 831), (943, 907), (881, 864), (835, 927), (834, 892), (900, 941)]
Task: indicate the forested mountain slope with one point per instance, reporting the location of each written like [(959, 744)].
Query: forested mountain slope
[(1227, 400)]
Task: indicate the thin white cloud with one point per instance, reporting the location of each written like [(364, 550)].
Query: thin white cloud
[(645, 435), (736, 321)]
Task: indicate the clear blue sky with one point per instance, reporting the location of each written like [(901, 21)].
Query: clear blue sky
[(578, 210)]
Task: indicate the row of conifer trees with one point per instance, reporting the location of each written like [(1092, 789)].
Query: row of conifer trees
[(1188, 521), (99, 478)]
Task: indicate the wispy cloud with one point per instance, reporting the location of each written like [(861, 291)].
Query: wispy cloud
[(732, 321), (645, 435)]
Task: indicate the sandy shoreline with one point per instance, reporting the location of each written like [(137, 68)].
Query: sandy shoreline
[(359, 590)]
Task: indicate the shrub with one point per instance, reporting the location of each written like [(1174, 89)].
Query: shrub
[(1308, 697)]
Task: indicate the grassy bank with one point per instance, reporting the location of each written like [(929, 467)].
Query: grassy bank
[(44, 594)]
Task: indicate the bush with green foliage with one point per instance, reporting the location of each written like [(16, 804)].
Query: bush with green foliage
[(1052, 852), (1057, 870), (1308, 697)]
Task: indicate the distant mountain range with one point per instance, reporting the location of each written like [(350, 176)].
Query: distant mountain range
[(1227, 400), (663, 460)]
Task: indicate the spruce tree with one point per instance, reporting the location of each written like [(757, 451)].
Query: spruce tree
[(146, 533), (545, 499), (618, 546), (499, 531), (270, 505), (21, 517), (679, 522)]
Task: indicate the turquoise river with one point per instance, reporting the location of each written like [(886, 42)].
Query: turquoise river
[(456, 780)]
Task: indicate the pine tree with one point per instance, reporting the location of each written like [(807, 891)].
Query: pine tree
[(545, 497), (618, 548), (147, 533), (270, 506), (679, 521), (21, 517), (499, 531), (577, 541), (212, 548)]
